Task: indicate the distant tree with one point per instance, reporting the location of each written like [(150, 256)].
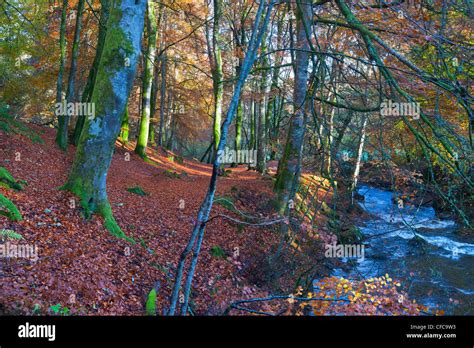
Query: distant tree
[(63, 120), (148, 73)]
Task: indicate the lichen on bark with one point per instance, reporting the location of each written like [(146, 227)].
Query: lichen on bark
[(115, 76)]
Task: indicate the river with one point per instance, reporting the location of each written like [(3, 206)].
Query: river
[(434, 263)]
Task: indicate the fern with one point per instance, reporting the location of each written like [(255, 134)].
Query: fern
[(9, 180), (9, 234), (12, 211), (8, 124)]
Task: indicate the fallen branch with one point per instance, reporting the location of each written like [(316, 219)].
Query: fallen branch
[(265, 223), (235, 305)]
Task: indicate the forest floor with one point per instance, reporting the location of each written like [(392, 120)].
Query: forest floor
[(85, 269)]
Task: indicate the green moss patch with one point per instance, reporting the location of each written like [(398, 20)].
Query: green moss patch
[(138, 191)]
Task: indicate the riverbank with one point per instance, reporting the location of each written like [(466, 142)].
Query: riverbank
[(83, 270)]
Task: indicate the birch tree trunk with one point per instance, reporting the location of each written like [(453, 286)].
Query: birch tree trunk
[(360, 151)]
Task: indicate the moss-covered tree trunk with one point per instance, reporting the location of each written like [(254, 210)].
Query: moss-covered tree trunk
[(238, 127), (290, 164), (114, 81), (63, 120), (125, 127), (148, 74), (217, 74), (89, 88)]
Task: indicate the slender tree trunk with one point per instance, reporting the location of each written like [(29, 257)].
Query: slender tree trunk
[(272, 106), (89, 88), (275, 142), (154, 94), (329, 142), (262, 117), (289, 165), (62, 53), (170, 144), (164, 63), (238, 127), (114, 82), (157, 74), (239, 44), (149, 58), (169, 116), (218, 75), (125, 126), (360, 151), (63, 121), (252, 125)]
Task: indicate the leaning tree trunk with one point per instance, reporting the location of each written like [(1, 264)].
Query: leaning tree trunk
[(63, 120), (115, 77), (239, 43), (262, 117), (144, 132), (196, 239), (62, 52), (290, 163)]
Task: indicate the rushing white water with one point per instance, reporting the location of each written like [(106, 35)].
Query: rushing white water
[(406, 220), (433, 262)]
